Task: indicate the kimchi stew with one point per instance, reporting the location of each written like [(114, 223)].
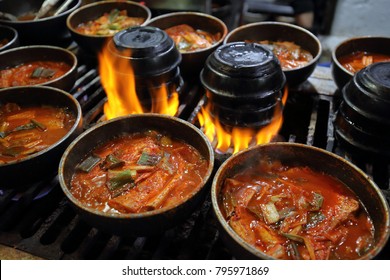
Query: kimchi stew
[(139, 172), (109, 23), (289, 54), (358, 60), (33, 73), (188, 39), (28, 130), (296, 213)]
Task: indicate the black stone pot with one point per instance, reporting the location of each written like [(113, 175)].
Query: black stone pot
[(10, 35), (279, 31), (363, 118), (374, 44), (38, 166), (147, 223), (50, 30), (93, 44), (243, 83)]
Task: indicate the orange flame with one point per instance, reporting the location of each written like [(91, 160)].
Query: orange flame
[(239, 138), (118, 81)]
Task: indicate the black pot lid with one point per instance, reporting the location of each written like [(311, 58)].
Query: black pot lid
[(242, 69), (149, 49), (241, 59), (375, 78), (143, 41)]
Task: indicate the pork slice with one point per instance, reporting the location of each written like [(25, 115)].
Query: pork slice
[(133, 200), (344, 207)]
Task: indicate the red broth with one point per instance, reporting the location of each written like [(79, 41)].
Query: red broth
[(139, 172), (33, 73), (289, 54), (296, 213), (28, 130), (358, 60), (109, 23)]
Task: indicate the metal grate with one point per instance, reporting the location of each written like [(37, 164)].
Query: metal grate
[(42, 222)]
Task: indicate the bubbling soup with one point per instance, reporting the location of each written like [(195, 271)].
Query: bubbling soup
[(296, 213), (139, 172), (358, 60)]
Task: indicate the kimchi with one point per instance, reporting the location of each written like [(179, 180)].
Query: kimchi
[(139, 172), (109, 23), (296, 213), (28, 130), (188, 39)]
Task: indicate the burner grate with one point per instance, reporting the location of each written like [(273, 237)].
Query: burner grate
[(42, 222)]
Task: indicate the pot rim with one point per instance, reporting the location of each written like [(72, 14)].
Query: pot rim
[(45, 19), (15, 37)]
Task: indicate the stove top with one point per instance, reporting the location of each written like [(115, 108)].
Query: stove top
[(39, 220)]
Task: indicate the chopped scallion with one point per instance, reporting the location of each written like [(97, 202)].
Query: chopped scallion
[(26, 126), (117, 179), (111, 162), (88, 164), (148, 158), (270, 213), (39, 125), (41, 72), (113, 15)]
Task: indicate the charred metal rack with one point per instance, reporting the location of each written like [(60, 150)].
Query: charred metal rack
[(39, 220)]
